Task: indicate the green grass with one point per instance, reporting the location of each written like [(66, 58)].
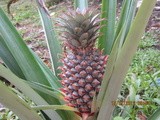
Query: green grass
[(26, 12), (6, 114), (140, 83)]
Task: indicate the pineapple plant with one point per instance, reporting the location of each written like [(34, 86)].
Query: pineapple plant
[(83, 64)]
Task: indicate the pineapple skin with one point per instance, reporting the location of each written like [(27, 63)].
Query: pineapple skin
[(83, 64), (82, 74)]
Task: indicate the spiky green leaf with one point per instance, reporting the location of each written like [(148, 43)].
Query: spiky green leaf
[(108, 12), (16, 104), (51, 37), (124, 58)]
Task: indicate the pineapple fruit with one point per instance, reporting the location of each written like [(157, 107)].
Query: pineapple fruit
[(83, 64)]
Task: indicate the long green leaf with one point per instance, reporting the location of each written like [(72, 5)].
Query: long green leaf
[(115, 52), (52, 79), (124, 13), (16, 104), (10, 61), (155, 116), (27, 90), (27, 61), (108, 72), (58, 107), (23, 56), (109, 14), (51, 38), (54, 107), (124, 58), (55, 50), (81, 4), (45, 89), (110, 67), (49, 75), (128, 13), (20, 51)]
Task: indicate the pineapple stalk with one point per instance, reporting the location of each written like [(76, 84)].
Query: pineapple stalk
[(83, 64)]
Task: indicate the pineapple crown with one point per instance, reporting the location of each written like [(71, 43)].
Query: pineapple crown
[(81, 28)]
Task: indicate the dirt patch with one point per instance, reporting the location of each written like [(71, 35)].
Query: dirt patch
[(154, 24)]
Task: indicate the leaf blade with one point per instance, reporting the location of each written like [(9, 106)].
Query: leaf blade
[(14, 103), (10, 61), (26, 89), (156, 115), (109, 14), (81, 4), (51, 37), (54, 107), (20, 51), (135, 33)]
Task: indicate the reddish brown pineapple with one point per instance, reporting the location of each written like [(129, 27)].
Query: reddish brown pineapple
[(83, 64)]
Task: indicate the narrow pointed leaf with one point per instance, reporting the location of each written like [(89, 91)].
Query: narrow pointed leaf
[(20, 51), (16, 104), (55, 84), (113, 57), (81, 4), (155, 116), (27, 61), (108, 72), (127, 15), (114, 53), (51, 37), (27, 90), (54, 107), (123, 16), (109, 14), (9, 60), (124, 58), (52, 79), (42, 88)]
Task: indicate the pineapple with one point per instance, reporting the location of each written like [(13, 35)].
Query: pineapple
[(83, 64)]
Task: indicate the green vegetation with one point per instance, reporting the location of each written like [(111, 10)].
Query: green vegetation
[(6, 114), (141, 82)]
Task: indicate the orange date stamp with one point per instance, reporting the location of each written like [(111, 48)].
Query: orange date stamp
[(127, 103)]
